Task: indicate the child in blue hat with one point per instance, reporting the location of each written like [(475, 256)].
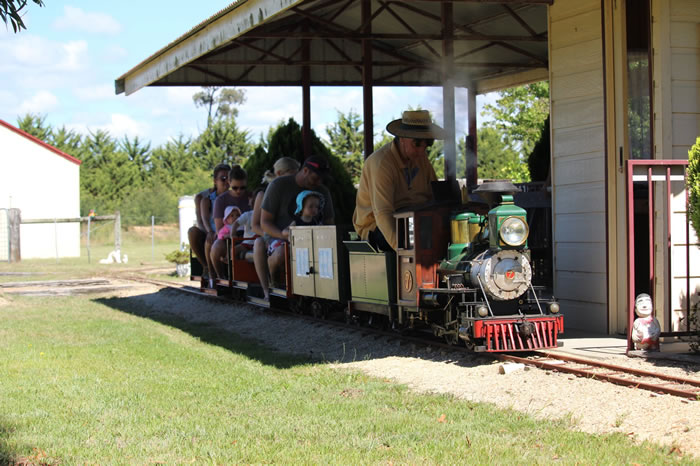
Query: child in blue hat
[(309, 208)]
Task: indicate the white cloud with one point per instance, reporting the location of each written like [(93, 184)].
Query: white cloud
[(7, 99), (121, 125), (34, 53), (267, 106), (75, 19), (181, 95), (114, 53), (102, 91), (320, 130), (118, 126), (41, 102)]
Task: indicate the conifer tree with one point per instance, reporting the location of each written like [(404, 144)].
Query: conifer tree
[(286, 141)]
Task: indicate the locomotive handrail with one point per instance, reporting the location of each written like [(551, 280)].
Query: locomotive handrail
[(486, 298), (536, 300)]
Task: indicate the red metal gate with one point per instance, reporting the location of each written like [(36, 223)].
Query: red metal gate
[(650, 172)]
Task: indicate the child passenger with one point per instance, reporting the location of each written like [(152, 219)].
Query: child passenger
[(308, 213), (309, 208), (245, 221), (231, 214)]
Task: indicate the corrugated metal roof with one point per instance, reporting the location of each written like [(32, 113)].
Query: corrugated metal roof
[(275, 42)]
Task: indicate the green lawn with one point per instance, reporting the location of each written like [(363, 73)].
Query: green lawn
[(86, 380)]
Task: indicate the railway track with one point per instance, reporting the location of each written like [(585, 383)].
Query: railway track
[(580, 367), (620, 375)]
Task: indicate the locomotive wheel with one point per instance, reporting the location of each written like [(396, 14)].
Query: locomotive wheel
[(317, 310), (469, 344), (295, 305), (451, 338), (351, 319), (378, 322)]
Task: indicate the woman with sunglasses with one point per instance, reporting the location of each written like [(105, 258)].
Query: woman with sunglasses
[(237, 196), (395, 176), (204, 213)]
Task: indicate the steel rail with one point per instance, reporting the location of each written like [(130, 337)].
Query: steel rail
[(616, 377)]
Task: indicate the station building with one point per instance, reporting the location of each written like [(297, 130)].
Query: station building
[(43, 183)]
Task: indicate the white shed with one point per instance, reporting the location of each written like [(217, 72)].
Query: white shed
[(44, 183)]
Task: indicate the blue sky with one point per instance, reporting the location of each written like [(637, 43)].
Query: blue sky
[(64, 66)]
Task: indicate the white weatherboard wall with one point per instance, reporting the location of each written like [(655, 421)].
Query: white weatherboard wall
[(578, 162), (42, 184), (676, 44)]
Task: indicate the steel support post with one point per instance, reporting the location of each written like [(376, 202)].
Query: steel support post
[(367, 79), (448, 90), (306, 98), (472, 173)]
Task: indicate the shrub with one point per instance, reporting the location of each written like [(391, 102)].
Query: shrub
[(694, 185), (179, 256)]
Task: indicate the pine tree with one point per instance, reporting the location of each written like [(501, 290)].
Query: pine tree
[(347, 142), (138, 154), (36, 125), (286, 141)]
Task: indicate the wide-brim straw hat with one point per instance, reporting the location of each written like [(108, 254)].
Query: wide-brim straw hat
[(416, 124)]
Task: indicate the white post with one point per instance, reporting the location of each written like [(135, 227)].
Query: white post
[(153, 221), (88, 238), (55, 236)]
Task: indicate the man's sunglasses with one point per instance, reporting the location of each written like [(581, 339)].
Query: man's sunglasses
[(223, 178), (238, 188), (423, 142)]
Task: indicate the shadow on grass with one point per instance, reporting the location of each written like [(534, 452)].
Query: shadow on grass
[(161, 307), (205, 332), (8, 456)]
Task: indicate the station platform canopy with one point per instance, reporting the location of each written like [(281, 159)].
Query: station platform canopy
[(482, 45), (494, 44)]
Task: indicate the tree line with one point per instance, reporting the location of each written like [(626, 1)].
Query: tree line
[(141, 181)]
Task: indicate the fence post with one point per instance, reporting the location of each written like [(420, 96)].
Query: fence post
[(55, 236), (153, 222), (88, 238), (14, 218), (118, 232)]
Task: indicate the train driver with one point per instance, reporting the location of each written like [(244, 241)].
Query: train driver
[(396, 175)]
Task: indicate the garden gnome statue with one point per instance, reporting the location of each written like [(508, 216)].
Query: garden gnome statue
[(646, 329)]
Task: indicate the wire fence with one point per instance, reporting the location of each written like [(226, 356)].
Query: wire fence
[(102, 235)]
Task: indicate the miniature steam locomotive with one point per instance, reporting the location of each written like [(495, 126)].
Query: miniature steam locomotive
[(462, 272)]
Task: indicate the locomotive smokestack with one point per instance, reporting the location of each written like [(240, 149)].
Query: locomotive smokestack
[(492, 190)]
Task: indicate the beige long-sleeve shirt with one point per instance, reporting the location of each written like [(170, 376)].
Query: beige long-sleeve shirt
[(387, 184)]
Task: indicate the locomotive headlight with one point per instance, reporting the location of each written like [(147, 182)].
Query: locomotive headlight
[(483, 311), (554, 308), (513, 231)]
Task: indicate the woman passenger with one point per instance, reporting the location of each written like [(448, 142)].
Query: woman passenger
[(236, 196), (205, 229)]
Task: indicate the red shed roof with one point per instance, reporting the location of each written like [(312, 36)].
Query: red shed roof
[(40, 142)]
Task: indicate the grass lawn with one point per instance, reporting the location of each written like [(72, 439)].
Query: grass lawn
[(83, 382)]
